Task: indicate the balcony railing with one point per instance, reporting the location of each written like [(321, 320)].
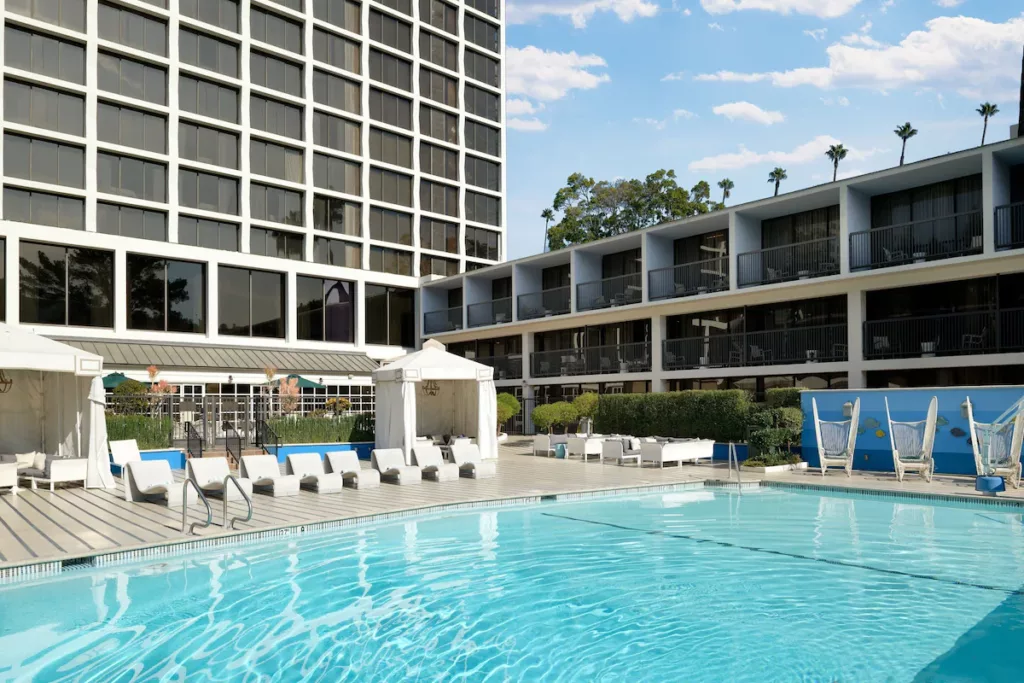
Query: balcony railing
[(505, 367), (917, 242), (819, 344), (948, 334), (1010, 226), (594, 360), (490, 312), (612, 291), (789, 262), (543, 304), (448, 320), (688, 279)]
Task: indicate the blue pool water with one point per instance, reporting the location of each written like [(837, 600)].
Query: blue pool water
[(699, 585)]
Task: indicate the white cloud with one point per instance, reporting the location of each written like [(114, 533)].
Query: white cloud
[(826, 9), (530, 125), (578, 11), (813, 150), (842, 101), (745, 111), (675, 76), (886, 4), (519, 107), (659, 124), (816, 33), (547, 75), (715, 26), (683, 114), (949, 3), (687, 12)]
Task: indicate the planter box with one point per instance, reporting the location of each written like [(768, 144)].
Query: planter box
[(777, 469)]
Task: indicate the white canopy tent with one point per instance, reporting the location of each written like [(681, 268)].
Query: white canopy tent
[(433, 392), (52, 402)]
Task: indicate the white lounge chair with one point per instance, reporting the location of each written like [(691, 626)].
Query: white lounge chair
[(542, 446), (583, 447), (692, 450), (346, 463), (912, 443), (620, 450), (144, 481), (471, 464), (124, 452), (309, 468), (265, 474), (836, 439), (211, 474), (9, 473), (390, 462), (997, 447), (431, 462)]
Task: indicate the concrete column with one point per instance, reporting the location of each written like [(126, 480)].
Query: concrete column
[(657, 336), (744, 237), (527, 346), (995, 192), (212, 299), (854, 217), (855, 316)]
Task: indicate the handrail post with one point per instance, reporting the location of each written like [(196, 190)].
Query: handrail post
[(184, 507), (248, 502)]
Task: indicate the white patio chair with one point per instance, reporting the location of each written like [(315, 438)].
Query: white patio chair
[(542, 446), (583, 447), (471, 464), (346, 463), (265, 474), (144, 481), (124, 452), (997, 447), (620, 450), (309, 468), (210, 475), (431, 462), (836, 440), (390, 462), (912, 442)]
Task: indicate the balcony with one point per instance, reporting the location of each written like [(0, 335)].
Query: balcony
[(918, 242), (505, 367), (613, 291), (544, 304), (492, 312), (689, 279), (448, 320), (594, 360), (799, 261), (949, 334), (821, 344), (1010, 226)]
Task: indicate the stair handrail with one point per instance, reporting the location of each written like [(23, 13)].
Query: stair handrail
[(184, 507), (248, 502)]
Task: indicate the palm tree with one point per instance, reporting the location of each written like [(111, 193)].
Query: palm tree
[(905, 132), (987, 110), (777, 176), (726, 186), (548, 215), (836, 153)]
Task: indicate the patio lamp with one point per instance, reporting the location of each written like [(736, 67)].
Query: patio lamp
[(848, 409), (963, 409)]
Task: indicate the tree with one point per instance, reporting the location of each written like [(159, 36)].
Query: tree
[(585, 405), (905, 132), (548, 215), (543, 417), (563, 414), (836, 153), (987, 110), (777, 176), (726, 186), (508, 407)]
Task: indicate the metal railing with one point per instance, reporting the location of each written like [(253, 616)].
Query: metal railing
[(492, 312), (543, 304), (688, 279), (800, 261), (917, 242), (267, 438), (621, 290), (447, 320), (193, 441), (245, 496), (232, 442), (505, 367), (1010, 226), (184, 507), (593, 360), (948, 334), (818, 344)]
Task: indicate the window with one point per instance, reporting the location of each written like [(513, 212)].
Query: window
[(275, 30), (340, 175), (275, 161), (439, 198), (482, 33), (66, 285), (132, 29), (276, 74), (336, 92), (207, 191), (166, 295), (482, 243), (388, 186), (440, 15), (337, 215), (337, 133), (403, 6), (483, 68), (482, 103), (44, 55), (440, 161), (435, 265), (483, 208), (275, 243), (131, 177), (207, 52), (483, 138), (390, 226), (390, 109), (325, 309), (483, 173), (43, 208), (129, 221), (471, 266), (201, 232), (390, 315), (44, 161), (337, 253), (488, 7), (130, 78), (800, 227), (439, 124), (438, 50), (69, 14), (275, 204), (120, 125), (439, 235), (342, 13), (390, 148), (221, 13), (250, 303), (35, 105), (207, 145), (336, 51), (390, 70), (275, 117), (394, 33), (439, 87), (207, 98), (394, 261)]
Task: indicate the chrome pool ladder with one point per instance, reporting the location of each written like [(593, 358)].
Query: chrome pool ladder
[(248, 502), (184, 507), (734, 460)]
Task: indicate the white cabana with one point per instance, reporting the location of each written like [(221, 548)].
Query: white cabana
[(434, 392), (51, 402)]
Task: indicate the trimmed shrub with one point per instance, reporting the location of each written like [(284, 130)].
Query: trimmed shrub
[(563, 414), (543, 417), (792, 420), (788, 397), (718, 415), (131, 397), (150, 432), (586, 404), (762, 417), (343, 429), (508, 407)]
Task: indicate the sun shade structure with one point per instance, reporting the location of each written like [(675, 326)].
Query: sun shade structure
[(435, 392), (114, 380), (836, 440), (997, 445), (912, 442), (302, 382)]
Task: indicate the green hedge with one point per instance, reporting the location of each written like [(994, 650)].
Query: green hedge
[(783, 398), (718, 415), (150, 432), (343, 429)]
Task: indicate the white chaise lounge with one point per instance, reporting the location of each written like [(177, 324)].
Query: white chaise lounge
[(431, 462), (390, 462), (124, 452), (211, 476), (265, 474), (346, 463), (146, 481), (836, 440), (688, 450), (584, 447), (309, 468), (471, 464)]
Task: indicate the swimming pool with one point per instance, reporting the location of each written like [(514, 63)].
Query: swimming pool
[(698, 585)]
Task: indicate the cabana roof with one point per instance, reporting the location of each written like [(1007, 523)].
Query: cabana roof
[(22, 349), (433, 362)]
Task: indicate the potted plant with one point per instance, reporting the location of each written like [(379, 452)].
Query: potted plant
[(508, 407), (586, 409)]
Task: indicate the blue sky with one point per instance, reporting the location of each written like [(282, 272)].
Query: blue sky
[(733, 88)]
